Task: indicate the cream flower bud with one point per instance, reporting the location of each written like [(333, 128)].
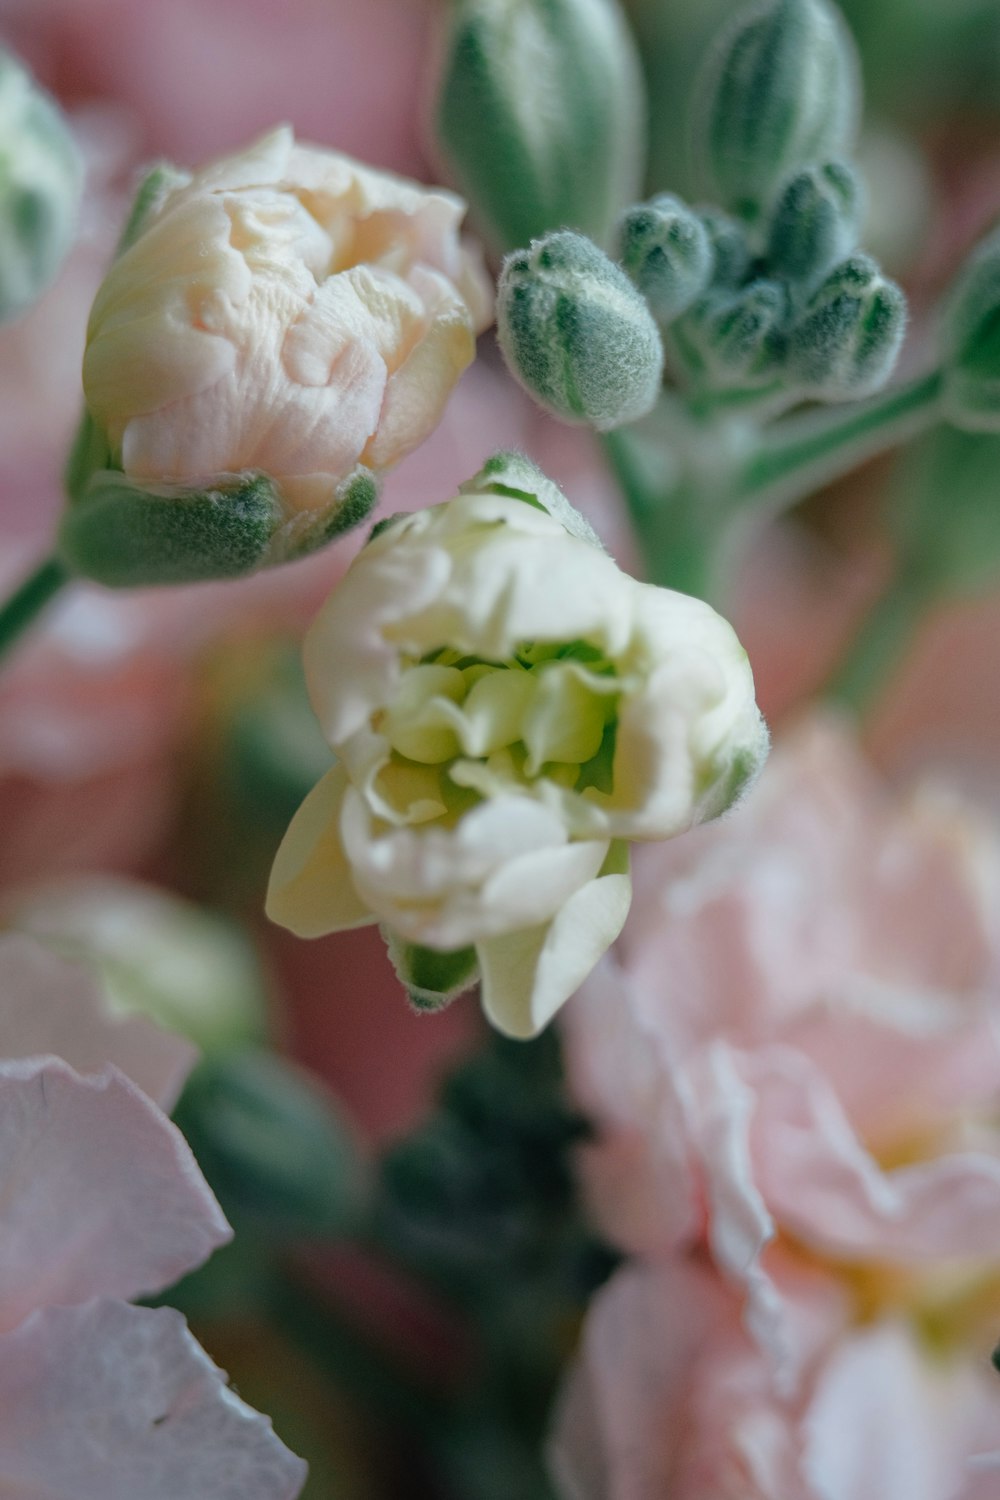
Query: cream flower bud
[(507, 709), (280, 327)]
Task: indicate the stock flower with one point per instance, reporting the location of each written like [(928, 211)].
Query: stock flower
[(280, 327), (507, 709), (102, 1201)]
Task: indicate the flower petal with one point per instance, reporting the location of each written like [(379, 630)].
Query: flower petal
[(99, 1192), (528, 975), (311, 891), (110, 1402)]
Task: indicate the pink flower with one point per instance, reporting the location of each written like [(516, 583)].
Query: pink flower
[(102, 1201), (799, 1045), (670, 1397)]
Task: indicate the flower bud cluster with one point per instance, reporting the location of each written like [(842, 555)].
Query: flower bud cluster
[(766, 289)]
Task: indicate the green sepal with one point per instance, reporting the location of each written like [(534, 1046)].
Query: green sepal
[(123, 536), (432, 979), (156, 183), (353, 501), (732, 341), (518, 478), (272, 1146)]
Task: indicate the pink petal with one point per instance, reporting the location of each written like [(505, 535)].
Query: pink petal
[(99, 1194), (110, 1402), (51, 1007)]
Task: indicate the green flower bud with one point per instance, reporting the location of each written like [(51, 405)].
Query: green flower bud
[(846, 343), (732, 341), (778, 92), (159, 956), (540, 114), (731, 258), (40, 182), (665, 249), (815, 224), (272, 1146), (971, 341), (576, 333)]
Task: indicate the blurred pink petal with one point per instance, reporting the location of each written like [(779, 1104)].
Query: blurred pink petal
[(110, 1402), (51, 1007), (100, 1193)]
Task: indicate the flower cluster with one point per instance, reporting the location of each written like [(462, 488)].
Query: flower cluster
[(507, 709), (794, 1069)]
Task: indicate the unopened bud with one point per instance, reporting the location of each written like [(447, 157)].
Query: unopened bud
[(731, 256), (778, 92), (731, 341), (971, 342), (577, 334), (847, 341), (815, 224), (666, 251), (539, 114), (40, 182)]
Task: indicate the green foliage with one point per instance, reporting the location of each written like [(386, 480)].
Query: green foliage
[(971, 341)]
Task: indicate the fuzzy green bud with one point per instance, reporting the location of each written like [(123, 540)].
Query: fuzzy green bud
[(731, 257), (540, 115), (815, 224), (731, 341), (576, 333), (665, 249), (778, 92), (971, 342), (847, 341), (40, 182)]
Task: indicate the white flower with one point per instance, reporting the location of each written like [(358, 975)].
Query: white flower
[(507, 708), (284, 312)]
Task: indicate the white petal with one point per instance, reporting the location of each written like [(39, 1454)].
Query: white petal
[(49, 1006), (527, 976), (311, 890), (99, 1192), (110, 1402)]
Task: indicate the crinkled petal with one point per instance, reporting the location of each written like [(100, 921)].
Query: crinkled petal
[(110, 1402), (99, 1193)]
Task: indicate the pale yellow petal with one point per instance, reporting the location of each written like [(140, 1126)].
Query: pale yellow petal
[(311, 891)]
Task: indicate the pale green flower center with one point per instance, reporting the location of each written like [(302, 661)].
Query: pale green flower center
[(462, 729)]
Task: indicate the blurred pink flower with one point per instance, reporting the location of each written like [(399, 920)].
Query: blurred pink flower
[(799, 1044), (669, 1397), (102, 1201)]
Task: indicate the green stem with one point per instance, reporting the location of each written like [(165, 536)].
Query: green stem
[(28, 601), (671, 523), (879, 646), (802, 453)]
